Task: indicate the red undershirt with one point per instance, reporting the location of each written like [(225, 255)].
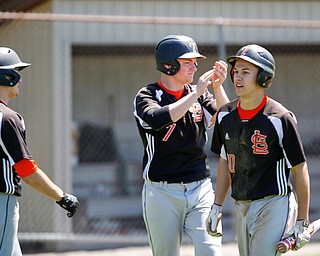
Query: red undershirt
[(249, 114), (3, 103), (177, 94)]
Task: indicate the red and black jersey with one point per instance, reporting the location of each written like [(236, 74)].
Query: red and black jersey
[(13, 148), (259, 151), (173, 151)]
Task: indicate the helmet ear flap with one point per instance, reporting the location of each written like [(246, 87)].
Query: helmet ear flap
[(9, 77), (264, 78), (173, 69)]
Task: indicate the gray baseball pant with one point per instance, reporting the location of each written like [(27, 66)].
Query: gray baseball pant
[(169, 210), (9, 218)]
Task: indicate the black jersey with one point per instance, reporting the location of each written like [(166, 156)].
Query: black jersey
[(259, 152), (173, 152), (13, 148)]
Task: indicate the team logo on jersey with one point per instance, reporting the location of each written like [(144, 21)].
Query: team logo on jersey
[(197, 112), (260, 145)]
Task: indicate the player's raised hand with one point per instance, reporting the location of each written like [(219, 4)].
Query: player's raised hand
[(220, 72), (204, 82)]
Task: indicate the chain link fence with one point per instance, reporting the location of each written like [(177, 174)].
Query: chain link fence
[(106, 152)]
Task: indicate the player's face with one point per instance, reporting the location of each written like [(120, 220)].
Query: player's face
[(245, 79), (188, 67)]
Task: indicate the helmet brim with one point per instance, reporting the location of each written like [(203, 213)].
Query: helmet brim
[(20, 66), (191, 55)]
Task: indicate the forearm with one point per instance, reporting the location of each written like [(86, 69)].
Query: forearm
[(179, 108), (302, 189), (223, 182), (42, 183), (220, 95)]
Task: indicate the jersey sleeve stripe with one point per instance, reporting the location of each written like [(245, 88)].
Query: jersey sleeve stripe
[(281, 178), (8, 176)]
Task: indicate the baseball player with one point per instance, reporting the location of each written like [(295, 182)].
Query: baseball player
[(16, 160), (172, 116), (259, 145)]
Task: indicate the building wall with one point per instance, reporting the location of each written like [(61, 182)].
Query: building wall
[(150, 33)]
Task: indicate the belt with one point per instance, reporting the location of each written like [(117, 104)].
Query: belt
[(178, 182), (252, 200), (175, 182)]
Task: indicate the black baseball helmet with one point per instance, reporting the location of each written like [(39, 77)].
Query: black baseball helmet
[(260, 57), (9, 62), (172, 47)]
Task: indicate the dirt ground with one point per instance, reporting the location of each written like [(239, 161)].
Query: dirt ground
[(312, 249)]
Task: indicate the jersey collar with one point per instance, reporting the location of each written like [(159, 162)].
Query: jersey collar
[(177, 94), (3, 103), (249, 114)]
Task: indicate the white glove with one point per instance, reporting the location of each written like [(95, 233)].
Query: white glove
[(213, 221), (301, 233)]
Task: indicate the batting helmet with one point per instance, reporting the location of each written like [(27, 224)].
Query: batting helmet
[(260, 57), (9, 61), (172, 47)]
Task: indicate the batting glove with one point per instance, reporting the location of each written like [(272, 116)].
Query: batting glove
[(213, 220), (70, 203), (301, 233)]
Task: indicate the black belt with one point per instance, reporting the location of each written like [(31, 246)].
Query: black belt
[(177, 182)]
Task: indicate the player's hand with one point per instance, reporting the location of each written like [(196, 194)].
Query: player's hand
[(301, 233), (212, 222), (70, 203), (204, 82), (220, 70)]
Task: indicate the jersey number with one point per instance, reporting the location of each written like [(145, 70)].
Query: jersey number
[(166, 137), (231, 162)]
